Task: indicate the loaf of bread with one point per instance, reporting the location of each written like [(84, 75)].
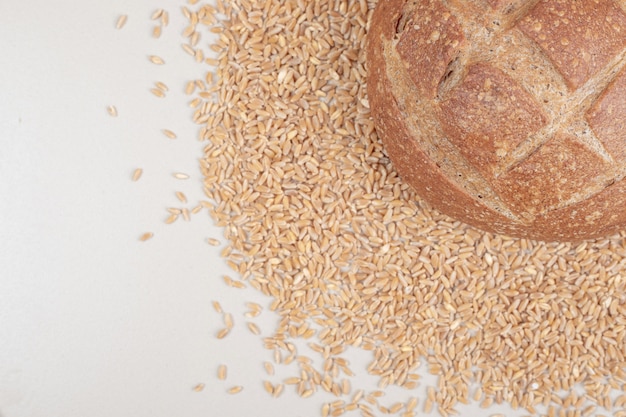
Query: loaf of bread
[(509, 115)]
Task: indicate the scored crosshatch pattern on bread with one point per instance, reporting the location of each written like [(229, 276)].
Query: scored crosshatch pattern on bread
[(582, 25), (515, 102), (492, 97)]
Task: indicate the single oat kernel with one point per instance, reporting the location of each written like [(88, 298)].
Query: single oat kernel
[(121, 21), (222, 372), (156, 59), (235, 390), (169, 133), (137, 174), (146, 236)]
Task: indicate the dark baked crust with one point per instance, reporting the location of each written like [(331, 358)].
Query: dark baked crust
[(552, 170), (488, 115), (580, 37), (403, 148), (607, 118)]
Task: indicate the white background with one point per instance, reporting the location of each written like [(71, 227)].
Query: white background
[(94, 322)]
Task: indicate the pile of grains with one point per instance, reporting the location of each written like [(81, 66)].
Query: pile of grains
[(316, 217)]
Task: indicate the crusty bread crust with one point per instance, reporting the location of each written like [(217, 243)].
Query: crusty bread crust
[(509, 115)]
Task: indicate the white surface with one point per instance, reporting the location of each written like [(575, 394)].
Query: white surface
[(92, 321)]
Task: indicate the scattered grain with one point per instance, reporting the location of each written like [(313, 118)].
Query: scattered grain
[(157, 14), (589, 410), (227, 280), (190, 87), (165, 18), (222, 333), (156, 59), (237, 284), (187, 48), (182, 198), (317, 218), (252, 313), (235, 390), (146, 236), (228, 320), (428, 405), (112, 110), (338, 412), (222, 372), (169, 133), (486, 402), (253, 328), (157, 92), (345, 387), (137, 174), (156, 32), (213, 242), (478, 394), (161, 86), (198, 387), (121, 21), (185, 213), (292, 380)]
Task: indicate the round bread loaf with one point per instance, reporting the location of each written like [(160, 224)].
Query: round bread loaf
[(509, 115)]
